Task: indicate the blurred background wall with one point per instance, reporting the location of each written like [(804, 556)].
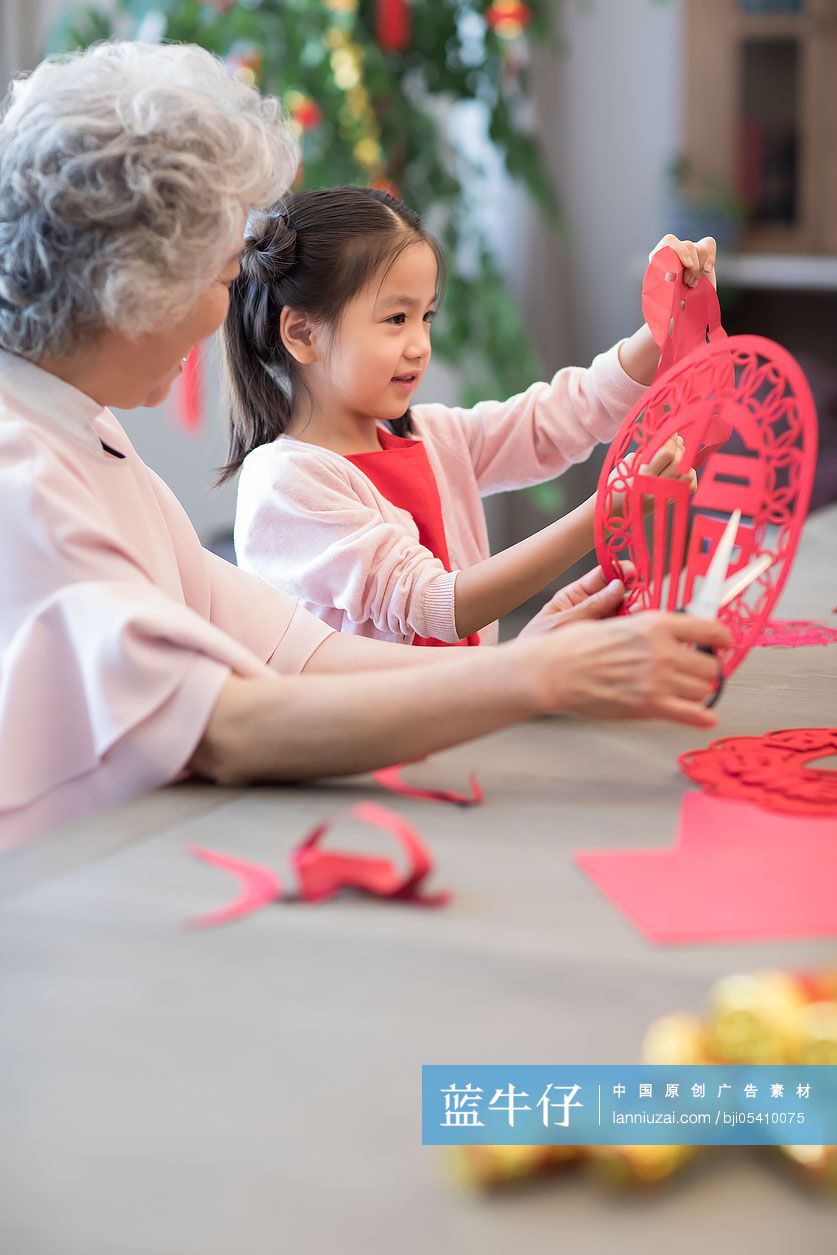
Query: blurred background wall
[(579, 290), (608, 111)]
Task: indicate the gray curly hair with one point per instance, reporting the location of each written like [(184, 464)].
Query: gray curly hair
[(125, 174)]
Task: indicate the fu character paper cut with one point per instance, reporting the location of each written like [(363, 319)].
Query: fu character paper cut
[(765, 469)]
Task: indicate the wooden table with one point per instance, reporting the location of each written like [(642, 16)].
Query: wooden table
[(255, 1089)]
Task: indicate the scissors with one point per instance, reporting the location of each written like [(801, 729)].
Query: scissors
[(718, 590)]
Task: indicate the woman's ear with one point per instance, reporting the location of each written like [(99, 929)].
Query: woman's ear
[(296, 333)]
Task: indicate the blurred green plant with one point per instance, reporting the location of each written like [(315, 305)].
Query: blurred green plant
[(371, 115)]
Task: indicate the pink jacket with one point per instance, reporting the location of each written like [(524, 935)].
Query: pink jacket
[(117, 630), (313, 525)]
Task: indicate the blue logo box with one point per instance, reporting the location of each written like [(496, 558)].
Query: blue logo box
[(635, 1104)]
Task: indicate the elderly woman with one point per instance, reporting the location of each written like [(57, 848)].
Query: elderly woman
[(130, 655)]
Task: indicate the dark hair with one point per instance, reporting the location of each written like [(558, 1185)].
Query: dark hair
[(314, 250)]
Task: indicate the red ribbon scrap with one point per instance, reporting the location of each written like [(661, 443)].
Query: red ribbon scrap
[(390, 778), (321, 874)]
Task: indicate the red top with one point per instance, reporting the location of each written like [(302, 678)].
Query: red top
[(401, 472)]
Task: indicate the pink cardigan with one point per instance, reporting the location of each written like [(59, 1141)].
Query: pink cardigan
[(117, 630), (313, 525)]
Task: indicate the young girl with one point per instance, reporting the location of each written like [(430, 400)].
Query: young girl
[(364, 509)]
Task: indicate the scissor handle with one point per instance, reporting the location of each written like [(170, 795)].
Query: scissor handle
[(707, 649)]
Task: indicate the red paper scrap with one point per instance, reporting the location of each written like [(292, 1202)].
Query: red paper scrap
[(793, 633), (736, 874), (320, 874), (259, 886), (391, 778)]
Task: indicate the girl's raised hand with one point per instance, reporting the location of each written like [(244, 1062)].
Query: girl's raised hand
[(698, 259), (665, 464)]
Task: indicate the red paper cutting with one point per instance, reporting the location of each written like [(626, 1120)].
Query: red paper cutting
[(679, 317), (259, 886), (792, 633), (772, 771), (391, 778), (765, 469), (321, 874), (736, 874), (682, 319)]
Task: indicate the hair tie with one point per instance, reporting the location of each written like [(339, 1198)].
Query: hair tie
[(269, 247)]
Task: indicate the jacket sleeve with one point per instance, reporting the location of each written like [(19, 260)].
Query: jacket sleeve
[(274, 627), (107, 681), (301, 526), (538, 434)]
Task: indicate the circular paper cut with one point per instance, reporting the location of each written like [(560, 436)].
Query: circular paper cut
[(754, 392)]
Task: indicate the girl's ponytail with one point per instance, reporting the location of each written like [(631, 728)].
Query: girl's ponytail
[(259, 371)]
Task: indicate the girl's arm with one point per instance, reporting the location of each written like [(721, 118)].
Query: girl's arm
[(302, 528), (639, 356), (501, 583), (506, 580), (538, 434), (590, 597)]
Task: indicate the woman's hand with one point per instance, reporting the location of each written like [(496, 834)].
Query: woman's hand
[(590, 597), (637, 666), (640, 666)]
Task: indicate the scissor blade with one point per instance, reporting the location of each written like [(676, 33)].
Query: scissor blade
[(737, 583), (707, 602)]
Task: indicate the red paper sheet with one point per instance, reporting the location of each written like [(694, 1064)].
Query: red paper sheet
[(737, 873)]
